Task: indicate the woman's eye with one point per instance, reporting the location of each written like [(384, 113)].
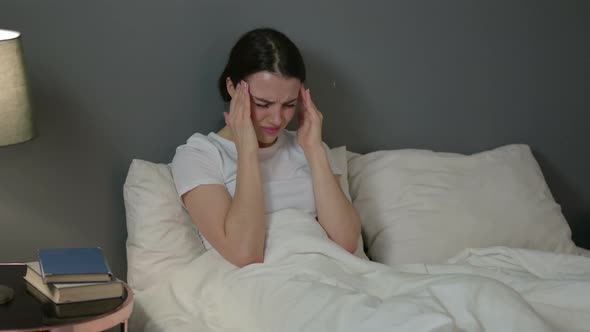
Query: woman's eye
[(290, 106), (262, 105)]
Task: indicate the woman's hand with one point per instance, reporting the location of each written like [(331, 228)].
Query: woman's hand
[(309, 133), (335, 214), (239, 121)]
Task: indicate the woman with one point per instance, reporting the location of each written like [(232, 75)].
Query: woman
[(229, 180)]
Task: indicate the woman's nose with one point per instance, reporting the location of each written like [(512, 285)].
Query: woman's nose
[(275, 116)]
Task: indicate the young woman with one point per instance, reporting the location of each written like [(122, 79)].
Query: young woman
[(229, 180)]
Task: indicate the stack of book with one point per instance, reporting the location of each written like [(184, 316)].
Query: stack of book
[(73, 276)]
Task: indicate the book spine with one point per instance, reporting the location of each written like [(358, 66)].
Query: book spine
[(45, 289)]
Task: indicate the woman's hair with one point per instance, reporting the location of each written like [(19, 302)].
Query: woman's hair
[(262, 49)]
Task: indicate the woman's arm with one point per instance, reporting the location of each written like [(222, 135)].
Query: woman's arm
[(336, 215), (236, 227)]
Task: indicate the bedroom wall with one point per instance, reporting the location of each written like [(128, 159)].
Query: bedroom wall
[(116, 80)]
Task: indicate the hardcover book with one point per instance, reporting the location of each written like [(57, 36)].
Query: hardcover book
[(61, 265), (72, 292), (58, 312)]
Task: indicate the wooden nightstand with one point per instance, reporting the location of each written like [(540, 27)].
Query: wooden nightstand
[(26, 313)]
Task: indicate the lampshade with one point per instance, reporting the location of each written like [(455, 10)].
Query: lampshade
[(16, 117)]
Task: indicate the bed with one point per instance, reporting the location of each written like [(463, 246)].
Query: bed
[(450, 242)]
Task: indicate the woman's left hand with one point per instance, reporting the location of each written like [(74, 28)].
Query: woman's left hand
[(309, 133)]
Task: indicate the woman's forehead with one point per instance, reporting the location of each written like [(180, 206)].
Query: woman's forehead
[(273, 87)]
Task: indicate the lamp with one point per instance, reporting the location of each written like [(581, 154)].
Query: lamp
[(16, 117)]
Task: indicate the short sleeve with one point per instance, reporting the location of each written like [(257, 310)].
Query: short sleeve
[(336, 168), (196, 163)]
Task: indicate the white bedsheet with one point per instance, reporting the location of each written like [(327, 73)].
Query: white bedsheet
[(308, 283)]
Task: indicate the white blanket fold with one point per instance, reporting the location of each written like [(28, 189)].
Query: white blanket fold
[(309, 283)]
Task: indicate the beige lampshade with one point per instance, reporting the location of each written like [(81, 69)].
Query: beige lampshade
[(16, 117)]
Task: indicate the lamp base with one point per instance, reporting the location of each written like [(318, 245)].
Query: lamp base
[(6, 294)]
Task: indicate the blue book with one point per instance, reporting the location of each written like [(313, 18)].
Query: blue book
[(59, 265)]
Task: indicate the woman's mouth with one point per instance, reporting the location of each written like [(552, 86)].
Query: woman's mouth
[(272, 131)]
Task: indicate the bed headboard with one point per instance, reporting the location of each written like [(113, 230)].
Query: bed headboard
[(112, 81)]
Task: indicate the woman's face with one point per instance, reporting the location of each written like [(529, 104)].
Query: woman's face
[(273, 99)]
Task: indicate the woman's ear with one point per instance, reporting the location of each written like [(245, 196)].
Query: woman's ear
[(229, 85)]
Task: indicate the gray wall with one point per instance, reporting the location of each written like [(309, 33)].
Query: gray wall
[(116, 80)]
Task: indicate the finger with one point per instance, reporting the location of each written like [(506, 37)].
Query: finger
[(235, 100), (245, 91), (300, 118), (306, 125), (306, 101), (246, 103), (240, 92), (243, 100)]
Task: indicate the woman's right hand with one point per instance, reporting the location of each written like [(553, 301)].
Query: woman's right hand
[(239, 121)]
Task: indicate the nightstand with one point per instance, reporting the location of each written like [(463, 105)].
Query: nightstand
[(27, 313)]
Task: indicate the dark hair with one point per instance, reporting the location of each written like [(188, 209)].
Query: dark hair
[(258, 50)]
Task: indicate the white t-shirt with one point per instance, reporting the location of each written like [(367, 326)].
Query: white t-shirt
[(212, 159)]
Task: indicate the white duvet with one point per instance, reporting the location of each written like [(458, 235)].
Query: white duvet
[(308, 283)]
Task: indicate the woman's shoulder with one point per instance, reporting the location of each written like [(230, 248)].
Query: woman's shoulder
[(197, 139), (199, 142), (199, 149)]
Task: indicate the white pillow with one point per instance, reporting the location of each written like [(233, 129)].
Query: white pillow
[(160, 234), (420, 206)]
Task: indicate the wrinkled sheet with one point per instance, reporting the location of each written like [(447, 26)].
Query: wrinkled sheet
[(308, 283)]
